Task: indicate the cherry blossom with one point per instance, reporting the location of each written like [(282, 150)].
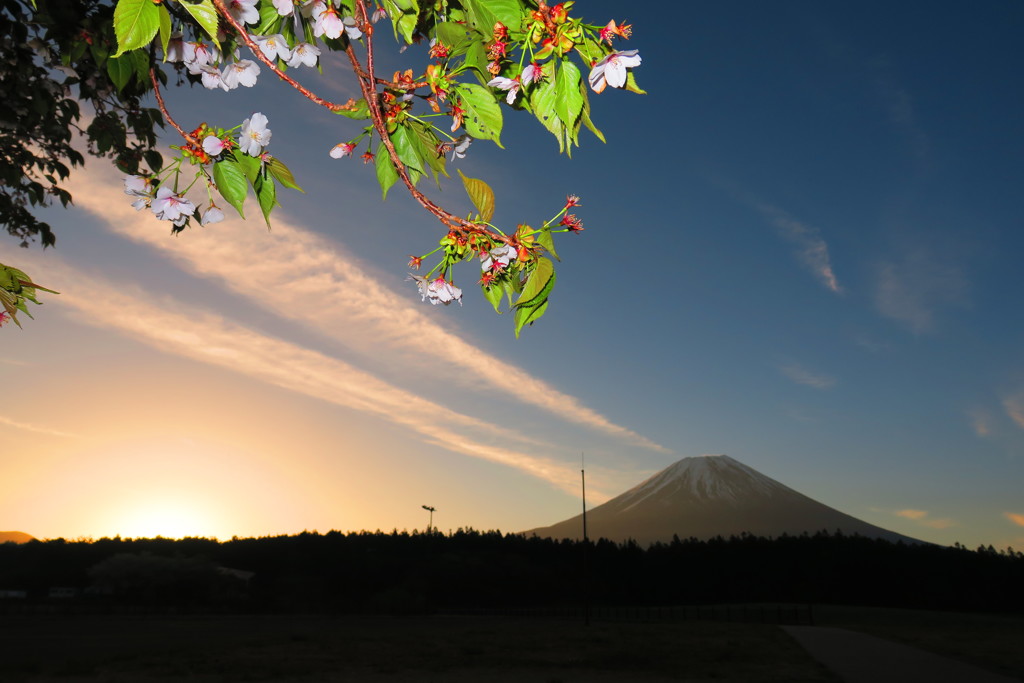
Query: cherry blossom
[(197, 55), (284, 7), (497, 258), (327, 21), (212, 215), (255, 135), (342, 149), (169, 206), (212, 78), (243, 72), (612, 70), (439, 290), (510, 84), (213, 145), (304, 54), (532, 72), (274, 47), (462, 143), (244, 11), (352, 28)]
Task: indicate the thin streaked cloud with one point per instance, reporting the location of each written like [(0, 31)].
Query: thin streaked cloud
[(1014, 406), (913, 290), (802, 375), (923, 518), (981, 422), (37, 429), (1015, 517), (812, 250), (302, 276), (211, 339)]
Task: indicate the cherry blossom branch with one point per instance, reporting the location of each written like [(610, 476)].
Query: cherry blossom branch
[(258, 53), (366, 85), (163, 110)]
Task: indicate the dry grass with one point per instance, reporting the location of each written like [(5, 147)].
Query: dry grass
[(324, 649)]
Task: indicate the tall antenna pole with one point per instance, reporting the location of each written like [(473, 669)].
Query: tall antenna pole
[(430, 509), (586, 543)]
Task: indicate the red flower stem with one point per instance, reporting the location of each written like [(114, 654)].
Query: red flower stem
[(167, 115)]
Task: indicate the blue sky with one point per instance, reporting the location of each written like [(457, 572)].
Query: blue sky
[(801, 249)]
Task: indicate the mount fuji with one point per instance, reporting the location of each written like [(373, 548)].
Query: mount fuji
[(708, 496)]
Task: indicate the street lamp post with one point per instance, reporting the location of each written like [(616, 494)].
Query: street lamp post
[(430, 524)]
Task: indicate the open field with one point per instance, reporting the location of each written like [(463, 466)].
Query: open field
[(990, 641), (279, 649)]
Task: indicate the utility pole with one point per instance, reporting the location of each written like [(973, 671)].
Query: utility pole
[(586, 544), (430, 524)]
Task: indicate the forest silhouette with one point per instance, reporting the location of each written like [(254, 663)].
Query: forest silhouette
[(406, 573)]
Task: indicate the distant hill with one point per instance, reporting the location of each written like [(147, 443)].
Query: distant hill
[(15, 537), (708, 496)]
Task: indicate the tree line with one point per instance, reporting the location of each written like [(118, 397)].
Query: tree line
[(422, 572)]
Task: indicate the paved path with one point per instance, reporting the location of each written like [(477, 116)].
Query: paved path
[(860, 658)]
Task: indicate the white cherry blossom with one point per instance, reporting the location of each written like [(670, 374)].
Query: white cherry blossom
[(304, 54), (439, 290), (274, 47), (326, 21), (212, 215), (501, 255), (284, 7), (244, 11), (612, 70), (255, 135), (213, 145), (243, 72), (198, 55), (213, 78)]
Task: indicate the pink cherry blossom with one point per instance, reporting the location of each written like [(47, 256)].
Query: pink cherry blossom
[(342, 149), (497, 258), (169, 206), (213, 145), (510, 84), (212, 215), (439, 290), (612, 70), (326, 21), (532, 73), (244, 11)]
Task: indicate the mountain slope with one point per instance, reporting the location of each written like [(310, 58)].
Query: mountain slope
[(15, 537), (708, 496)]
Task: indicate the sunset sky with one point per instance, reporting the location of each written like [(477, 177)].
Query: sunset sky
[(802, 249)]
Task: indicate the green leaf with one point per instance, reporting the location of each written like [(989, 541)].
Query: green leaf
[(361, 110), (483, 115), (120, 70), (585, 114), (269, 18), (453, 36), (485, 12), (543, 100), (165, 28), (135, 24), (266, 195), (547, 240), (250, 166), (493, 294), (231, 183), (387, 174), (568, 100), (528, 316), (631, 84), (427, 144), (405, 144), (283, 174), (539, 284), (205, 14), (482, 196)]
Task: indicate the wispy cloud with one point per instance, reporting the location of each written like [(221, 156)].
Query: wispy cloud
[(802, 375), (812, 250), (912, 290), (208, 338), (1014, 406), (1015, 517), (981, 422), (37, 429), (304, 277), (923, 518)]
